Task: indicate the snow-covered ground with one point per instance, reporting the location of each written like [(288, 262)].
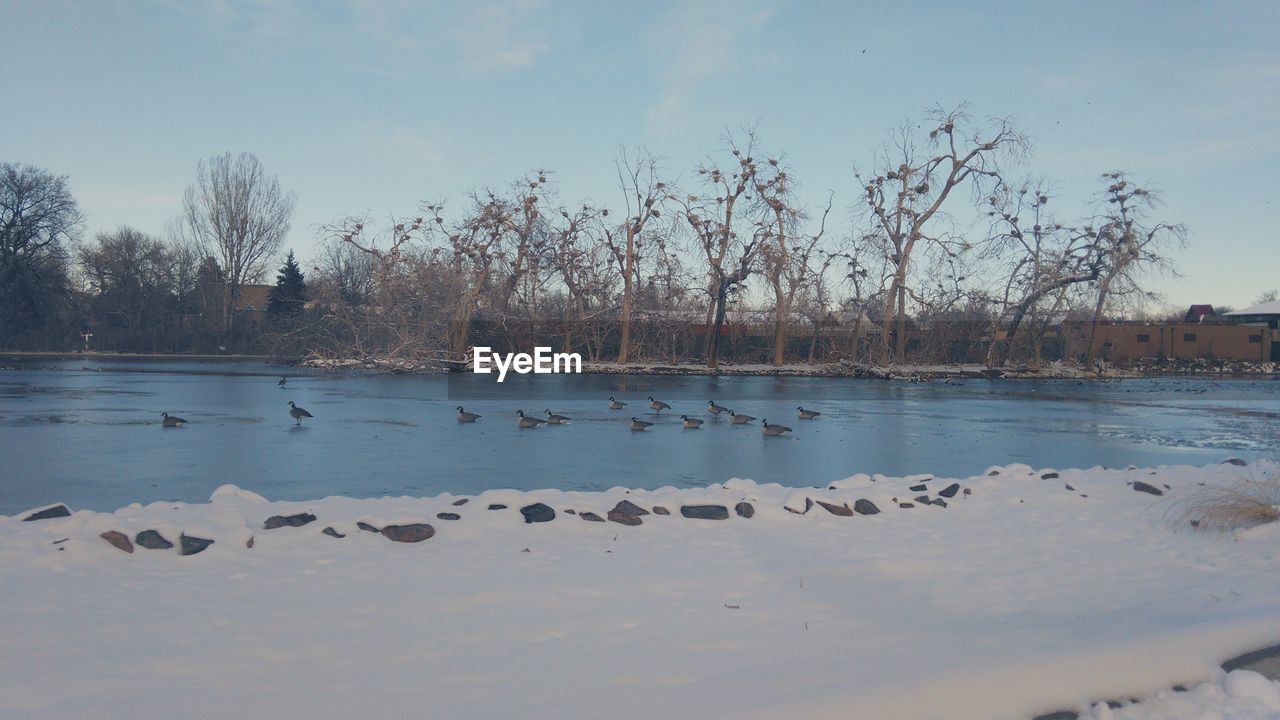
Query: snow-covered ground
[(1029, 595)]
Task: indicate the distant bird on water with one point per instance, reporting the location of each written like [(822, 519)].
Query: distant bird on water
[(282, 381), (615, 405), (297, 413), (464, 416), (557, 419), (715, 409), (807, 414), (172, 421), (658, 405), (637, 424), (774, 430), (529, 422), (740, 419), (691, 423)]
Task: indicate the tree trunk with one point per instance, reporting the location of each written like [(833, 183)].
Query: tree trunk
[(713, 347)]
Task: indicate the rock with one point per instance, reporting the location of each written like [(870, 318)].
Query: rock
[(939, 502), (152, 540), (56, 511), (591, 517), (808, 505), (278, 521), (119, 539), (659, 510), (919, 488), (1229, 461), (193, 545), (922, 499), (571, 511), (1068, 486), (1049, 476), (411, 533), (950, 490), (841, 510), (705, 512), (906, 505), (367, 527), (460, 501), (497, 506), (993, 473), (1143, 487), (249, 543), (538, 512), (745, 509), (332, 533), (624, 518), (631, 508), (448, 516), (866, 507)]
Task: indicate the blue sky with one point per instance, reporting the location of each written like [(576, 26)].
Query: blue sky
[(365, 106)]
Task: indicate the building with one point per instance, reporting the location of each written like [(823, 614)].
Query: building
[(1263, 319)]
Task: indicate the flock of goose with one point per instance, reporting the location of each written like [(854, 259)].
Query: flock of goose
[(638, 425)]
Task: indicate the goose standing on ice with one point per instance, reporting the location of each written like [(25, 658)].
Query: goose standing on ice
[(557, 419), (715, 409), (691, 423), (529, 422), (615, 405), (807, 414), (638, 425), (297, 413), (172, 420), (740, 419), (282, 381), (658, 405), (774, 430), (464, 416)]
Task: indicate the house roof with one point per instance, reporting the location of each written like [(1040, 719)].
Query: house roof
[(253, 297), (1266, 308)]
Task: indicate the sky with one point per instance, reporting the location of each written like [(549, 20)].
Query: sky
[(372, 106)]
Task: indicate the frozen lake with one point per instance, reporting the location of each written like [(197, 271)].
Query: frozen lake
[(88, 432)]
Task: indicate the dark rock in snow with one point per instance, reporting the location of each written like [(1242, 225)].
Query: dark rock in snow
[(412, 533), (808, 505), (922, 499), (448, 516), (1143, 487), (538, 512), (152, 540), (623, 518), (705, 512), (332, 533), (571, 511), (993, 473), (939, 502), (659, 510), (1059, 715), (460, 501), (919, 488), (277, 521), (745, 509), (841, 510), (1068, 486), (56, 511), (950, 490), (249, 543), (193, 545), (591, 517), (866, 507), (367, 527), (906, 505), (1234, 461), (119, 539), (631, 508), (1049, 476), (497, 506)]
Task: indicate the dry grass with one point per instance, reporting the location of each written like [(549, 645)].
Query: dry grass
[(1234, 507)]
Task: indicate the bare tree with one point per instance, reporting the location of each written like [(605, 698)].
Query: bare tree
[(1130, 245), (39, 218), (786, 252), (910, 185), (238, 215), (643, 194)]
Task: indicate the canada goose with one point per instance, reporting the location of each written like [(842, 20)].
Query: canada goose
[(529, 422), (639, 424), (774, 430), (557, 419), (691, 423), (282, 381), (615, 405), (658, 405), (807, 414), (715, 409), (740, 419), (172, 421), (464, 416), (297, 413)]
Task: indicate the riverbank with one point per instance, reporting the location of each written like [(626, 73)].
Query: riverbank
[(1015, 592)]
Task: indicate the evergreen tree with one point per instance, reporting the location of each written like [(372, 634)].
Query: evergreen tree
[(290, 293)]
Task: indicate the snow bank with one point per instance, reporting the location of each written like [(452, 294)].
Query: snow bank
[(1029, 591)]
